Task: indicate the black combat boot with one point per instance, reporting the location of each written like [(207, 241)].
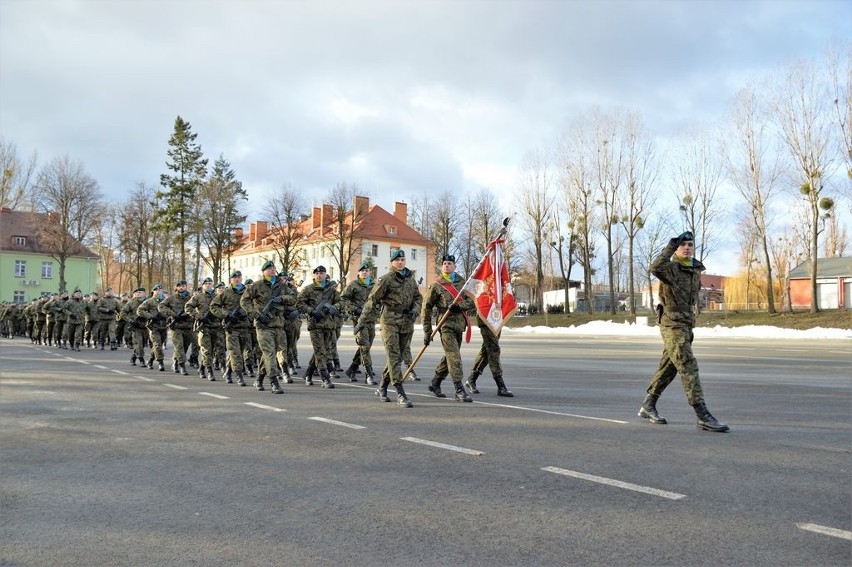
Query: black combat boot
[(649, 410), (133, 360), (160, 366), (309, 373), (250, 370), (296, 363), (353, 368), (461, 393), (183, 370), (706, 421), (240, 378), (435, 388), (151, 362), (287, 376), (202, 372), (413, 375), (502, 390), (276, 388), (471, 382), (337, 367), (382, 390), (228, 374), (401, 398), (210, 376), (326, 379), (331, 372), (175, 367), (258, 384), (371, 377)]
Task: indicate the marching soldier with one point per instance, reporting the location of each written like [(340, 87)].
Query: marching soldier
[(107, 311), (180, 322), (321, 301), (441, 297), (236, 324), (198, 308), (354, 297), (489, 355), (135, 325), (265, 301), (400, 299), (155, 321), (75, 314)]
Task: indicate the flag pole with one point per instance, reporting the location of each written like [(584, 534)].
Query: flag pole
[(501, 234)]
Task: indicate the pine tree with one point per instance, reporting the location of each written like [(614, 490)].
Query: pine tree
[(188, 168)]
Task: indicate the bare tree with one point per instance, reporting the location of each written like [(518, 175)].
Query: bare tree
[(840, 69), (836, 239), (107, 238), (136, 244), (346, 226), (641, 170), (535, 202), (18, 176), (446, 224), (697, 177), (285, 211), (648, 246), (754, 168), (564, 244), (72, 199), (805, 124)]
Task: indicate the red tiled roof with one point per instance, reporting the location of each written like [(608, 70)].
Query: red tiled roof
[(24, 223)]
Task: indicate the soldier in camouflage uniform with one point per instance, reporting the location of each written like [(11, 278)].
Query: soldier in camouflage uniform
[(92, 319), (61, 321), (400, 299), (41, 321), (30, 320), (442, 296), (488, 355), (156, 323), (321, 301), (236, 324), (292, 328), (135, 326), (354, 297), (107, 311), (680, 282), (75, 314), (265, 302), (50, 317), (218, 339), (121, 338), (180, 322), (198, 308)]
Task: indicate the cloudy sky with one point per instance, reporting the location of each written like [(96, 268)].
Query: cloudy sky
[(398, 97)]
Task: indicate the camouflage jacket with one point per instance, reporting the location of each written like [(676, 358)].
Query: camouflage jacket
[(255, 299), (128, 312), (149, 311), (75, 311), (312, 297), (679, 287), (399, 298), (226, 306), (107, 308), (438, 300), (355, 296), (174, 306), (198, 308)]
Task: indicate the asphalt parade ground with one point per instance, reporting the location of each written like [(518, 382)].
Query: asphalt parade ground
[(104, 463)]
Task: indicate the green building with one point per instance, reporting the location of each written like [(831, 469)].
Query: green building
[(29, 270)]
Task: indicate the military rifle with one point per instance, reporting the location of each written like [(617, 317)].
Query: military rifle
[(233, 318)]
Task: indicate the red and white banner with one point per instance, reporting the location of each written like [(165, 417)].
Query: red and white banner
[(491, 289)]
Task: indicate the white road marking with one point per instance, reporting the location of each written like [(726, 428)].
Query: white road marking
[(145, 378), (16, 382), (175, 386), (443, 446), (84, 362), (261, 406), (825, 530), (98, 366), (217, 396), (121, 372), (511, 406), (616, 483), (335, 422)]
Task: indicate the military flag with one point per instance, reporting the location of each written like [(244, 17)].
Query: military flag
[(491, 288)]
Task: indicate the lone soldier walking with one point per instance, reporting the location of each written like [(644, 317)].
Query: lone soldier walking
[(397, 293), (441, 297), (680, 281)]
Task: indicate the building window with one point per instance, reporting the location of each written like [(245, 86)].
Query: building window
[(414, 253), (46, 270), (391, 229), (20, 268), (20, 241), (374, 250), (18, 297)]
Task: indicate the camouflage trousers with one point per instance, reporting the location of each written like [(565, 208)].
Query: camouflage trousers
[(677, 358), (158, 342), (322, 341), (292, 330), (104, 333), (139, 340), (182, 340), (72, 333), (364, 340), (238, 343), (451, 362), (272, 341), (489, 353), (208, 339), (397, 343)]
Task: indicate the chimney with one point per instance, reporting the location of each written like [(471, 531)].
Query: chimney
[(400, 211), (316, 218), (257, 230), (360, 206), (327, 215), (238, 233)]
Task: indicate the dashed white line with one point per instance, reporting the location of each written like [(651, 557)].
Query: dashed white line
[(616, 483), (121, 372), (217, 396), (175, 386), (145, 378), (98, 366), (335, 422), (522, 408), (16, 382), (261, 406), (443, 446), (825, 530), (82, 362)]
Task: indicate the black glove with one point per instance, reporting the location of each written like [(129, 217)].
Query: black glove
[(358, 328), (357, 312), (333, 311), (264, 319), (316, 315), (455, 308), (427, 338), (412, 315), (278, 299)]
